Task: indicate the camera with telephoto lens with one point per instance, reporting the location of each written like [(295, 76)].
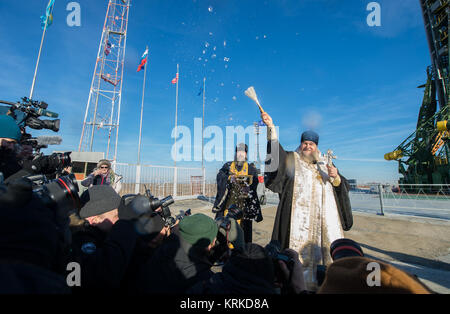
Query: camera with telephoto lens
[(339, 249), (61, 193), (56, 162), (149, 205), (233, 213), (31, 111)]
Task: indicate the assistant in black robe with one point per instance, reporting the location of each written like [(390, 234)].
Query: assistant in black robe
[(252, 208), (281, 181)]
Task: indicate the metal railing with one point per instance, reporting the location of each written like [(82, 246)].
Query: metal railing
[(164, 180), (423, 200)]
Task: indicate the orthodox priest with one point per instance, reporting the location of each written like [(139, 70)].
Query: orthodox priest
[(314, 208)]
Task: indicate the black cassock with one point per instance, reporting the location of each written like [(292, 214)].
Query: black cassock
[(251, 208), (281, 181)]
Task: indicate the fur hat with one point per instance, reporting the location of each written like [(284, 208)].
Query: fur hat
[(350, 275), (104, 162)]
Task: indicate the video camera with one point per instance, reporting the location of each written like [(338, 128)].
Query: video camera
[(32, 110)]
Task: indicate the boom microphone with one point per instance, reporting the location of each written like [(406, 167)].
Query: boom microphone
[(49, 140)]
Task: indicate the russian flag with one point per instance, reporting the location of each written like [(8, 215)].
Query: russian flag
[(143, 60), (175, 80)]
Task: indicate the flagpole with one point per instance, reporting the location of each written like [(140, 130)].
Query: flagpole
[(203, 128), (142, 113), (138, 167), (38, 60), (176, 128)]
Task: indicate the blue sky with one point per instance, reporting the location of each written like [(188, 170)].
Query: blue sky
[(314, 63)]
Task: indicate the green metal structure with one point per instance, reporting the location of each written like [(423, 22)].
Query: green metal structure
[(424, 156)]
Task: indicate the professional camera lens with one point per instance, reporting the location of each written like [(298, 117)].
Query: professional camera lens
[(39, 124), (235, 212), (64, 159), (53, 125), (64, 192), (164, 203), (345, 248)]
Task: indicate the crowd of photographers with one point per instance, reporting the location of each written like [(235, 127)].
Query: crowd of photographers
[(54, 241)]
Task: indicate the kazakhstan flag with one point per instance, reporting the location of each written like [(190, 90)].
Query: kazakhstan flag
[(48, 18)]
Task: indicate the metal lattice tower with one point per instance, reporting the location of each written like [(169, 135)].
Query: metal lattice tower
[(436, 14), (102, 115)]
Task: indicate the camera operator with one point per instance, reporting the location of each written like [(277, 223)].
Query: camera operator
[(145, 247), (111, 242), (248, 271), (103, 175), (33, 243), (10, 134), (103, 245), (184, 257)]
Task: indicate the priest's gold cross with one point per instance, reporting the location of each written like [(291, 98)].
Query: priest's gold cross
[(330, 156)]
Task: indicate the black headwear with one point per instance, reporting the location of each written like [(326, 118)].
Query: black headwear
[(97, 200)]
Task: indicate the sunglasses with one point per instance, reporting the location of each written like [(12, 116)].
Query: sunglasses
[(104, 167)]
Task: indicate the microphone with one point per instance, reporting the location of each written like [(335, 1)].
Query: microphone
[(49, 140)]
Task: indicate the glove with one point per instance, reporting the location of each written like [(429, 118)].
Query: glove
[(133, 206)]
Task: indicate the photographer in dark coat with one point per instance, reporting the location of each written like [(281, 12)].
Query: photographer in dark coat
[(185, 256), (182, 259), (237, 182), (248, 271), (105, 244), (32, 243)]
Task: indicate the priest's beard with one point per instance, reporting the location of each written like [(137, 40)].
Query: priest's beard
[(311, 158)]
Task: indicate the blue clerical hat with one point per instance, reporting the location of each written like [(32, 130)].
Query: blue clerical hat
[(310, 136)]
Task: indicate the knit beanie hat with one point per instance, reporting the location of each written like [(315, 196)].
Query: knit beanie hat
[(198, 230), (9, 128)]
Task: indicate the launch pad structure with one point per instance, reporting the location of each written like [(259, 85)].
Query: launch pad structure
[(423, 157)]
